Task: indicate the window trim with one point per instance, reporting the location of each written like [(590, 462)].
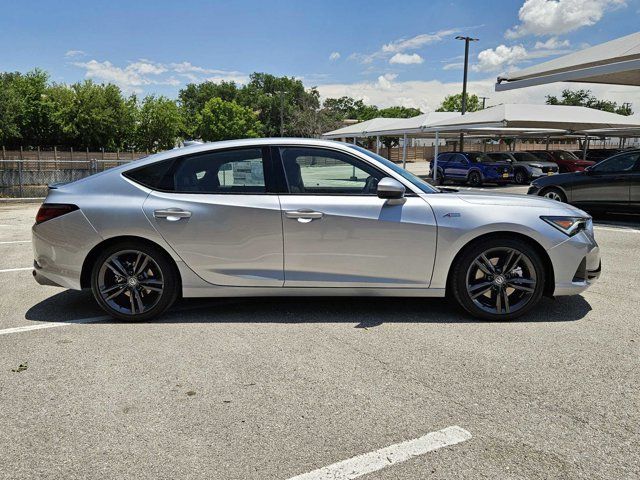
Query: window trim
[(277, 160), (267, 165)]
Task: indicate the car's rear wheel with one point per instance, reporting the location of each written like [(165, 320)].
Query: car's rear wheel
[(521, 177), (134, 282), (554, 194), (475, 179), (498, 278)]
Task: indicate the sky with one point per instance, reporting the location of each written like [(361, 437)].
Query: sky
[(384, 52)]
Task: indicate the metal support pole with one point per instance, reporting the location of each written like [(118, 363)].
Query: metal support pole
[(547, 145), (585, 147), (404, 151), (435, 156), (377, 144), (20, 175)]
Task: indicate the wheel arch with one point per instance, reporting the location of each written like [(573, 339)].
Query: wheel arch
[(549, 283), (87, 265), (476, 169)]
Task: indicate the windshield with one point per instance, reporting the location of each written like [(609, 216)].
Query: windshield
[(525, 157), (417, 181), (564, 155), (478, 157)]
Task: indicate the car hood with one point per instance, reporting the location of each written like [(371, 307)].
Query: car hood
[(540, 163), (560, 179), (513, 200)]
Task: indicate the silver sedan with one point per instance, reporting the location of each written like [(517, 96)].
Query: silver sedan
[(267, 217)]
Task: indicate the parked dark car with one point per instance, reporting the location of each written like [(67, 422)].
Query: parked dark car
[(597, 154), (611, 185), (566, 160), (474, 168), (526, 166)]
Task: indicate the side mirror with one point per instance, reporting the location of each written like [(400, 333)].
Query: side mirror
[(391, 190)]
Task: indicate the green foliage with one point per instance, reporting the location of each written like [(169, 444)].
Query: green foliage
[(159, 124), (453, 103), (584, 98), (221, 120), (193, 97)]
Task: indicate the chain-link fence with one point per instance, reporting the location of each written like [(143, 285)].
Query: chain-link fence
[(29, 178)]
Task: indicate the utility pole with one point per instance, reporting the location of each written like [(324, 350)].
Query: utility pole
[(464, 79), (484, 99)]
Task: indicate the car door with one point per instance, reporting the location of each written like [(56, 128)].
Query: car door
[(219, 212), (634, 188), (458, 166), (338, 233), (606, 184)]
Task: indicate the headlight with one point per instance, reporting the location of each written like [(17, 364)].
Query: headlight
[(568, 225)]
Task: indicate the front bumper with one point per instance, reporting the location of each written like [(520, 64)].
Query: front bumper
[(576, 264)]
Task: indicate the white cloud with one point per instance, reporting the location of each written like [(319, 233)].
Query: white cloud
[(74, 53), (555, 17), (142, 73), (334, 56), (552, 44), (384, 81), (495, 59), (427, 95), (453, 66), (402, 45), (406, 58), (418, 41)]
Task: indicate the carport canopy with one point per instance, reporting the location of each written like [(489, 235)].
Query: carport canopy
[(616, 63), (361, 129), (525, 116)]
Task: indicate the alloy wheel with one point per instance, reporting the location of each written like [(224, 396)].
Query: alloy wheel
[(130, 282), (501, 280), (553, 195)]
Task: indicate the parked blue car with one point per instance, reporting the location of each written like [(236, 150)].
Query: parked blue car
[(474, 168)]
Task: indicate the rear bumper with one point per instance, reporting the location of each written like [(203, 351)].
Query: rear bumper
[(42, 279)]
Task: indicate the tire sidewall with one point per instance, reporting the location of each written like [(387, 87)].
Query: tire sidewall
[(458, 279), (169, 276), (475, 179)]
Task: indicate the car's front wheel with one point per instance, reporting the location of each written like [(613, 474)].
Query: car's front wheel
[(499, 278), (554, 194), (134, 282)]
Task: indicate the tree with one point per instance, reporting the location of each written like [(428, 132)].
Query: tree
[(309, 121), (347, 107), (221, 120), (10, 108), (584, 98), (399, 112), (193, 97), (158, 125), (453, 103)]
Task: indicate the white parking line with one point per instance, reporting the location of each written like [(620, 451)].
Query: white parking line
[(616, 229), (15, 241), (385, 457), (43, 325), (6, 270)]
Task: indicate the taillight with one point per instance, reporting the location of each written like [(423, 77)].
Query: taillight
[(52, 210)]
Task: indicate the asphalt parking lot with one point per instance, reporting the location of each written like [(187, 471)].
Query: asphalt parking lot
[(275, 388)]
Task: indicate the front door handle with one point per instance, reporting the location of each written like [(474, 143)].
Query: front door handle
[(303, 215), (172, 214)]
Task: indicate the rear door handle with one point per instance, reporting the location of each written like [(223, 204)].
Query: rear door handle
[(172, 214), (303, 215)]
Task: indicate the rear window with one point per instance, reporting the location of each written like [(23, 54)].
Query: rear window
[(154, 176)]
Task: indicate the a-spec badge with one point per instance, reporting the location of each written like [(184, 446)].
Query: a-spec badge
[(452, 215)]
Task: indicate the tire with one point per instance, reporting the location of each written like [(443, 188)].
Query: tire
[(474, 179), (519, 289), (521, 177), (134, 298), (554, 193), (440, 177)]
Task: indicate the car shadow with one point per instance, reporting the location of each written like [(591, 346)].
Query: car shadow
[(363, 312)]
